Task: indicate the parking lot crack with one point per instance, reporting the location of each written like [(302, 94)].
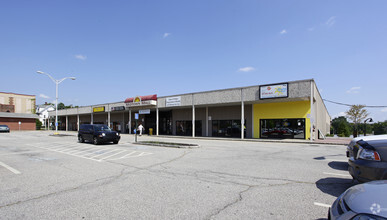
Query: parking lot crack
[(237, 200)]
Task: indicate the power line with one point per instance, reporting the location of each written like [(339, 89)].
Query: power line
[(366, 106)]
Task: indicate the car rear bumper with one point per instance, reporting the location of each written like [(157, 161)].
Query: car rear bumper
[(365, 170)]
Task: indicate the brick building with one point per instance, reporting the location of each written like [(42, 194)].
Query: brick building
[(18, 111)]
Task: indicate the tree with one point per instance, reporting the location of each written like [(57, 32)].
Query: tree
[(61, 106), (380, 127), (356, 114), (341, 126), (38, 124)]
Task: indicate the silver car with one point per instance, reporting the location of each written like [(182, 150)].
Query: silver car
[(363, 201), (4, 128)]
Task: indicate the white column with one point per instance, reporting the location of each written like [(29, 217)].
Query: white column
[(206, 121), (130, 121), (157, 121), (311, 110), (78, 122), (67, 122), (193, 116), (242, 116), (92, 118), (193, 121), (108, 119)]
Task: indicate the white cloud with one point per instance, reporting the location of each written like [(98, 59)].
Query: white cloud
[(44, 96), (331, 21), (354, 90), (246, 69), (80, 57), (311, 29), (384, 110), (166, 35), (283, 32)]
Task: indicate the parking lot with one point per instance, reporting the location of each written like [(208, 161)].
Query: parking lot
[(50, 177)]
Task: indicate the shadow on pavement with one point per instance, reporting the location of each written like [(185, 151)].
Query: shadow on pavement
[(334, 186), (337, 165)]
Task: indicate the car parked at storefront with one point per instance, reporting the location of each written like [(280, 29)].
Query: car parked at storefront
[(4, 128), (367, 158), (363, 201), (97, 134)]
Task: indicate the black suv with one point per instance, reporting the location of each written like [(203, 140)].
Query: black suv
[(97, 134)]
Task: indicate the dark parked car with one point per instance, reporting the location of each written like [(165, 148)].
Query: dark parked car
[(367, 159), (363, 201), (4, 128), (97, 134)]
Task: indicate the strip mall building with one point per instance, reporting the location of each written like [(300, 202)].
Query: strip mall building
[(281, 110)]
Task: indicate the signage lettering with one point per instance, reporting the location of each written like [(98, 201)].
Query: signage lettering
[(173, 101), (274, 91), (99, 109)]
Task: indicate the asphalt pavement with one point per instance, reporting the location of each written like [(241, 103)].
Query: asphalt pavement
[(54, 177)]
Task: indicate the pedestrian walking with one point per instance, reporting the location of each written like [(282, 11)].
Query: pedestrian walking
[(140, 129)]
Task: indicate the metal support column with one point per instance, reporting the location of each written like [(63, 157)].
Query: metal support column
[(77, 122), (67, 123), (130, 121), (193, 116), (157, 121), (108, 119), (206, 121), (242, 116)]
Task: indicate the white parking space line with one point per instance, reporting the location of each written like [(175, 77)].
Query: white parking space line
[(337, 174), (322, 205), (104, 153), (113, 155), (94, 153), (13, 170)]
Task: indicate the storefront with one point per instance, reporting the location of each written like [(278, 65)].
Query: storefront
[(282, 110)]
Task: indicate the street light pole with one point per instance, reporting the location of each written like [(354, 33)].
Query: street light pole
[(56, 98), (365, 125)]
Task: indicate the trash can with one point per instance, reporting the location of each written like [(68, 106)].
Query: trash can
[(150, 131)]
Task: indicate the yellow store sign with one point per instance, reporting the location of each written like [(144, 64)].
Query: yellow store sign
[(99, 109)]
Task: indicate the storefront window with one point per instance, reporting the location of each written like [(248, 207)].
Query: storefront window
[(184, 128), (226, 128), (283, 128)]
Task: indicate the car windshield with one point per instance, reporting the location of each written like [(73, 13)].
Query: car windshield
[(3, 126), (102, 128)]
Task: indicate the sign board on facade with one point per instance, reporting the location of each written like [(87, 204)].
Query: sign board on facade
[(141, 101), (118, 108), (144, 111), (99, 109), (173, 101), (136, 116), (274, 91)]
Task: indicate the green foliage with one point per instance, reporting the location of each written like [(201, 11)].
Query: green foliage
[(63, 106), (38, 124), (357, 114), (380, 127), (341, 126)]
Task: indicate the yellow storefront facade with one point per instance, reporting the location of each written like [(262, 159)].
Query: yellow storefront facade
[(281, 110)]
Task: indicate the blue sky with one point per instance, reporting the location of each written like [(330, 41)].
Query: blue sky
[(120, 49)]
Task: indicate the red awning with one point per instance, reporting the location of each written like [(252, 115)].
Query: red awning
[(143, 98)]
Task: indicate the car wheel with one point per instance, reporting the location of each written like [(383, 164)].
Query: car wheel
[(115, 142), (95, 141), (80, 139)]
